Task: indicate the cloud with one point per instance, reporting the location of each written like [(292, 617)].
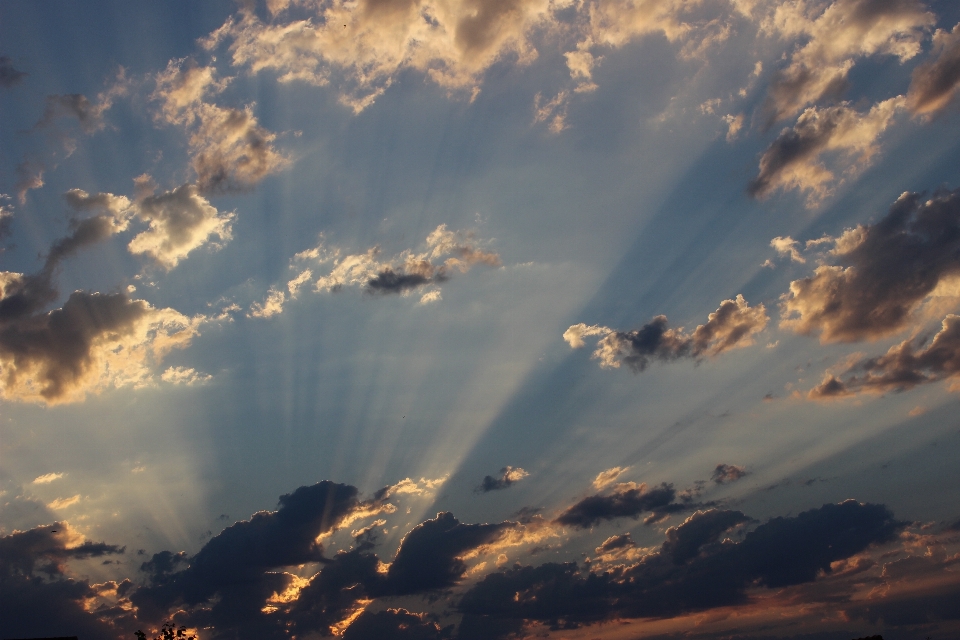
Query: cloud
[(885, 272), (74, 105), (399, 624), (229, 149), (627, 500), (29, 176), (9, 75), (444, 252), (837, 34), (47, 478), (37, 598), (724, 473), (430, 555), (179, 222), (63, 503), (904, 366), (787, 246), (934, 83), (235, 565), (508, 476), (93, 342), (608, 476), (694, 570), (793, 160), (731, 326)]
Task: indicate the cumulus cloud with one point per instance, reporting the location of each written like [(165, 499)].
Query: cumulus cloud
[(29, 176), (694, 570), (228, 147), (846, 136), (904, 366), (724, 473), (508, 476), (179, 222), (444, 253), (787, 246), (885, 271), (934, 83), (731, 326), (10, 76), (94, 341)]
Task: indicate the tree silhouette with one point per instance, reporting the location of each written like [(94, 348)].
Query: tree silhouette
[(168, 631)]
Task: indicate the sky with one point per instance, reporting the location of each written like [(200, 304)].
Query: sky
[(480, 319)]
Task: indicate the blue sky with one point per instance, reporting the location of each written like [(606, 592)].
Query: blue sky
[(480, 319)]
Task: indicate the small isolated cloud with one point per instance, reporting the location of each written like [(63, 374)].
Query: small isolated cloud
[(607, 477), (185, 376), (508, 476), (628, 500), (837, 34), (407, 486), (934, 83), (47, 478), (731, 326), (884, 272), (63, 503), (845, 136), (787, 246), (911, 363), (10, 76), (444, 253), (725, 473), (29, 176)]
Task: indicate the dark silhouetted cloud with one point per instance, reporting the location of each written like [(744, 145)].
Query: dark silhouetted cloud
[(885, 271), (9, 75), (508, 476), (627, 500), (727, 473), (731, 326), (693, 571), (430, 554), (934, 83), (36, 597)]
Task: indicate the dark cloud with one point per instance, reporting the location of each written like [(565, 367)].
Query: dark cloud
[(29, 176), (235, 563), (884, 272), (395, 624), (36, 598), (693, 571), (162, 564), (9, 75), (732, 325), (430, 554), (390, 281), (934, 83), (623, 541), (724, 473), (626, 501), (684, 542), (508, 476), (75, 105), (903, 367)]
